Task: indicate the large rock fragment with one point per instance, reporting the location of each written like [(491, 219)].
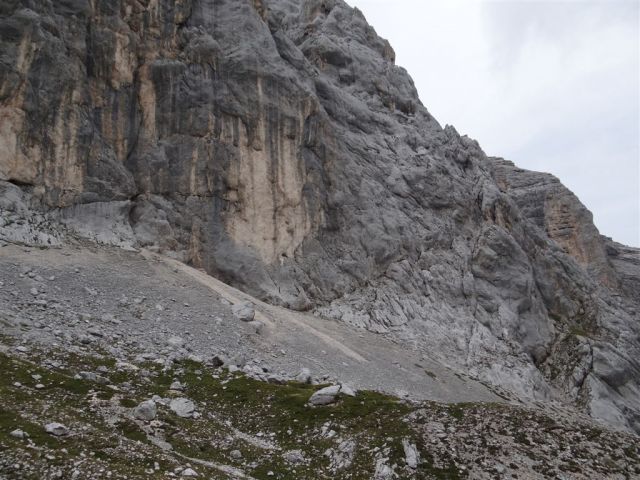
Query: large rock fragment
[(145, 411), (341, 457), (244, 311), (411, 454), (183, 407), (56, 429), (325, 396), (330, 394)]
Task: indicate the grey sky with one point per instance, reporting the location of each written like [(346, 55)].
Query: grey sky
[(552, 85)]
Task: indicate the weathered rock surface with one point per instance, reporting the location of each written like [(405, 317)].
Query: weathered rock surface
[(411, 455), (183, 407), (244, 312), (17, 433), (146, 411), (325, 396), (341, 457), (291, 157), (56, 429)]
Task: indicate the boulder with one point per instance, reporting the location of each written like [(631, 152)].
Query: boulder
[(19, 434), (295, 457), (256, 326), (411, 454), (56, 429), (304, 376), (244, 311), (325, 396), (183, 407), (146, 411)]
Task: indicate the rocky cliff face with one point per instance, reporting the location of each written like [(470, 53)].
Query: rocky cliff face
[(276, 144)]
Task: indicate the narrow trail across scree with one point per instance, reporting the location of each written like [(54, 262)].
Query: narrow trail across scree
[(264, 312), (361, 358), (168, 299)]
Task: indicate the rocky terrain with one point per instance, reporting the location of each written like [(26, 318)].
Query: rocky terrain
[(256, 184), (90, 416), (149, 307), (119, 364)]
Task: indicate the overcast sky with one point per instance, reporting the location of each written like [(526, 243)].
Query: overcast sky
[(552, 85)]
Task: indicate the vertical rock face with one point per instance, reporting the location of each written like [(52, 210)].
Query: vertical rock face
[(185, 107), (276, 144)]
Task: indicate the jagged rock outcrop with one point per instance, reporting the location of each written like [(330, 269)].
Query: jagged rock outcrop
[(275, 144), (552, 207)]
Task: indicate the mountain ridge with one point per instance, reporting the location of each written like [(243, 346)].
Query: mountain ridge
[(277, 145)]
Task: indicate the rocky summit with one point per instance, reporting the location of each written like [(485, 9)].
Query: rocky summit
[(235, 244)]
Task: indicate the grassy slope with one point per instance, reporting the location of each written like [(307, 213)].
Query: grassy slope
[(105, 438)]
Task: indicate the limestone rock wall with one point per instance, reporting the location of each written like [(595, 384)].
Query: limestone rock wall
[(109, 101)]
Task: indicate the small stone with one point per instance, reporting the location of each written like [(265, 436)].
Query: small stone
[(39, 386), (95, 332), (17, 433), (56, 429), (295, 457), (304, 376), (158, 442), (22, 349), (216, 361), (276, 379), (256, 326), (176, 386), (188, 472), (175, 342), (235, 454), (383, 471), (88, 376)]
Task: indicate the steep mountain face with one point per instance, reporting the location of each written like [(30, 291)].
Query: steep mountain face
[(275, 144)]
